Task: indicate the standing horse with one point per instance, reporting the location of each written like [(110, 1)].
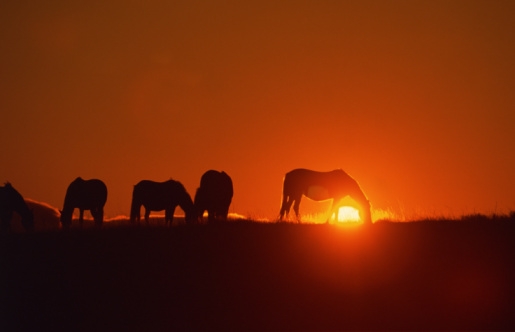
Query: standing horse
[(158, 196), (214, 195), (320, 186), (85, 195), (11, 201)]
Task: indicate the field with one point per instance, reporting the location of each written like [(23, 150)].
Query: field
[(453, 275)]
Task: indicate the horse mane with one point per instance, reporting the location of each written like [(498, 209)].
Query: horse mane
[(17, 201), (339, 170), (181, 186), (9, 186), (186, 199)]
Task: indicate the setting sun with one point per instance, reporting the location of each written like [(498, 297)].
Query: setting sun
[(348, 214)]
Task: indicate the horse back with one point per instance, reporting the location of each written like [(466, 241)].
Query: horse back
[(315, 184), (215, 187), (157, 195), (86, 194)]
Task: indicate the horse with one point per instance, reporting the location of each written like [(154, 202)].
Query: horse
[(320, 186), (214, 195), (12, 201), (158, 196), (85, 195)]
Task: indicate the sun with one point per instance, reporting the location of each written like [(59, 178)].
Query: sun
[(348, 214)]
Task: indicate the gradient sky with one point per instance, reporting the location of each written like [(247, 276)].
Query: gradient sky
[(414, 99)]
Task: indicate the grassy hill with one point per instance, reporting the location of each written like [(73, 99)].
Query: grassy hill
[(260, 276)]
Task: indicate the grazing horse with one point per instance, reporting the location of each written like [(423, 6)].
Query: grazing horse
[(85, 195), (158, 196), (214, 195), (320, 186), (11, 201)]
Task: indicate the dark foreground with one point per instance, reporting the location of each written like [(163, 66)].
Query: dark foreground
[(249, 276)]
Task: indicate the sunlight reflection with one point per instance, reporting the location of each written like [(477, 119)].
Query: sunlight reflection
[(348, 214)]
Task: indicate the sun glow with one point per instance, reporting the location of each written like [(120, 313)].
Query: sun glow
[(348, 214)]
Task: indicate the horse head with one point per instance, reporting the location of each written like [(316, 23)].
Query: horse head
[(365, 212), (66, 217), (190, 211), (191, 217), (186, 204)]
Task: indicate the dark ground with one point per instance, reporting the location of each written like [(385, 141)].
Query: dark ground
[(453, 275)]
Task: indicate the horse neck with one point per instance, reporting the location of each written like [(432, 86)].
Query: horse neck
[(359, 196), (69, 202), (135, 205), (67, 209), (19, 205), (363, 201), (186, 203)]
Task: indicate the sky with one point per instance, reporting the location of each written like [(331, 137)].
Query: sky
[(414, 99)]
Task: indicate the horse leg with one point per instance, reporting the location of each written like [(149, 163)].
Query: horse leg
[(99, 216), (136, 215), (225, 213), (168, 217), (135, 212), (200, 216), (335, 206), (172, 212), (285, 206), (81, 216), (296, 206), (147, 215), (211, 216), (332, 210), (94, 214)]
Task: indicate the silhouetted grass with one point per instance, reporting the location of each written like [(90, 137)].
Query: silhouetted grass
[(245, 275)]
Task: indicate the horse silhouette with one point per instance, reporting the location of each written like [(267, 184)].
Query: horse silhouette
[(158, 196), (214, 195), (12, 201), (320, 186), (85, 195)]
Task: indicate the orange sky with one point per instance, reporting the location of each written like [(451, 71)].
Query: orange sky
[(412, 98)]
